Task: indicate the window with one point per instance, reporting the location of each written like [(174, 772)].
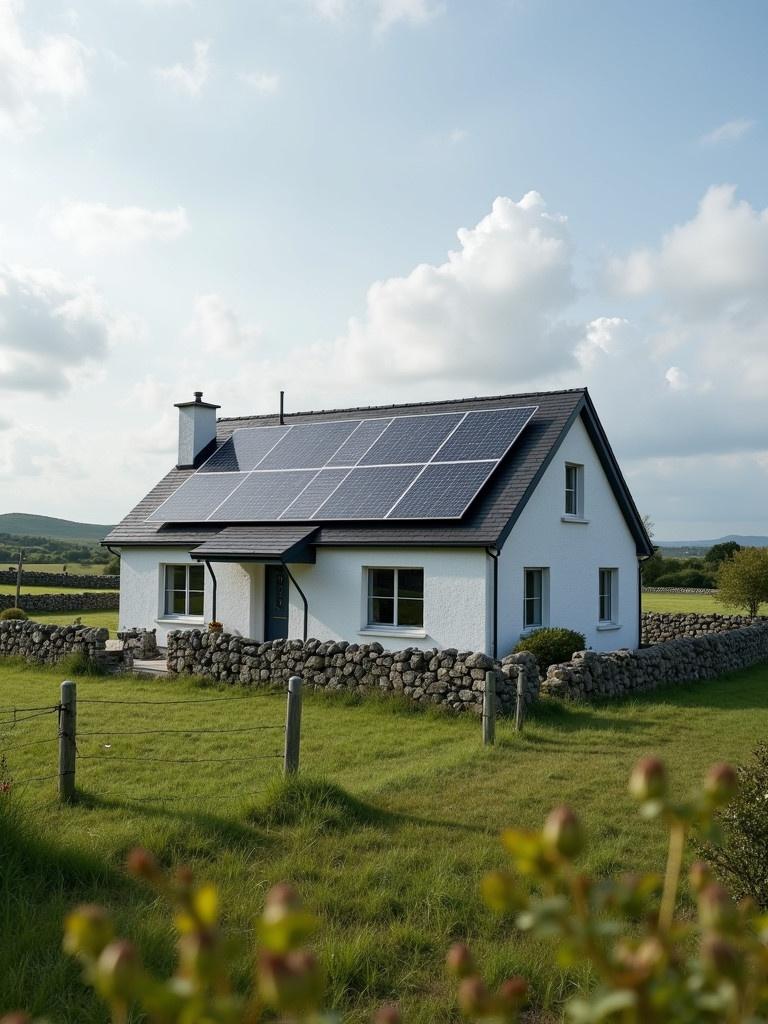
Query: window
[(396, 597), (574, 490), (536, 598), (608, 602), (184, 590)]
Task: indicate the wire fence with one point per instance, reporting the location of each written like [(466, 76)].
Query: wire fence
[(106, 731)]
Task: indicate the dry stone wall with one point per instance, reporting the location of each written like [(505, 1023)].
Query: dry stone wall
[(35, 641), (590, 675), (454, 679), (32, 603), (61, 579), (661, 627)]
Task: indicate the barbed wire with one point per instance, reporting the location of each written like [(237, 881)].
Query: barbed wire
[(13, 710), (35, 778), (194, 700), (26, 718), (22, 746), (175, 732), (174, 760)]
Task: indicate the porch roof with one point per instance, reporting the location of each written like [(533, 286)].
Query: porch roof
[(259, 544)]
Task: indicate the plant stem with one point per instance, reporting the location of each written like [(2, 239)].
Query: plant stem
[(672, 876)]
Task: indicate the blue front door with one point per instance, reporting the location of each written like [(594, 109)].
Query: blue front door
[(275, 602)]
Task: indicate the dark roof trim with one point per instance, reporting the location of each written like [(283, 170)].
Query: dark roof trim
[(610, 465), (300, 551)]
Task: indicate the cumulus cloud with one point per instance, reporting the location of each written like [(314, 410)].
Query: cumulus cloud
[(217, 328), (385, 13), (95, 225), (731, 131), (262, 82), (718, 257), (30, 74), (190, 78), (51, 329)]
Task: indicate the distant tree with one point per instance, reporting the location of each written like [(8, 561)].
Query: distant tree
[(654, 567), (649, 525), (719, 552), (742, 580), (112, 567)]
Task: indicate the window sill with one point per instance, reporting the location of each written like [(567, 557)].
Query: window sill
[(404, 631), (183, 620), (527, 630), (574, 519), (605, 627)]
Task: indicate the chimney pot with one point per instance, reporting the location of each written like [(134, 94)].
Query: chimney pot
[(198, 396)]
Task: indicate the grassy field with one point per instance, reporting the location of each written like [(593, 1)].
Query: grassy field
[(690, 603), (10, 588), (390, 854), (75, 568), (107, 620)]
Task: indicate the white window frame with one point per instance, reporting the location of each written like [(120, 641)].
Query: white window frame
[(576, 512), (370, 624), (167, 611), (608, 589), (543, 597)]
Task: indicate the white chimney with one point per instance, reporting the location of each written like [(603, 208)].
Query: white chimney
[(197, 430)]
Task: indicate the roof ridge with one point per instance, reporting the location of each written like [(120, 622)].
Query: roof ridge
[(405, 405)]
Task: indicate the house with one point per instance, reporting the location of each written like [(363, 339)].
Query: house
[(464, 524)]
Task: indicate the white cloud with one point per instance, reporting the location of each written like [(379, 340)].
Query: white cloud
[(731, 131), (458, 135), (95, 225), (217, 328), (190, 78), (51, 330), (717, 258), (414, 12), (29, 74), (265, 83)]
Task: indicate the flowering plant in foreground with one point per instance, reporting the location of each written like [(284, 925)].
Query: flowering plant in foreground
[(652, 963)]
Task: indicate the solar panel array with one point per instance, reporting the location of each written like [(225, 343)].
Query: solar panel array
[(395, 468)]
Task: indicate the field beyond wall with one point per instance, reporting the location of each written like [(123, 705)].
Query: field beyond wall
[(390, 856)]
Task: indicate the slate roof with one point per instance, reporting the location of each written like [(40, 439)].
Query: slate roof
[(488, 521)]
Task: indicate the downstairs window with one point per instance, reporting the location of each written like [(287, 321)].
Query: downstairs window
[(396, 597), (184, 590)]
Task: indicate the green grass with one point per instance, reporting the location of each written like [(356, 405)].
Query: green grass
[(10, 588), (387, 833), (108, 619), (74, 568), (705, 603)]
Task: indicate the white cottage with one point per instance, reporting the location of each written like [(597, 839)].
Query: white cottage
[(462, 524)]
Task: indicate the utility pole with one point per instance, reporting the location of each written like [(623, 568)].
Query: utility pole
[(19, 569)]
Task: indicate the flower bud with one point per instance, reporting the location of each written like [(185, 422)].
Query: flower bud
[(716, 908), (649, 779), (118, 970), (142, 864), (388, 1015), (281, 900), (459, 961), (473, 997), (511, 994), (721, 783), (290, 981), (87, 930), (16, 1018), (563, 832), (720, 956), (700, 875)]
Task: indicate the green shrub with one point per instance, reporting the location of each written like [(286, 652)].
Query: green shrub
[(13, 613), (686, 578), (552, 645), (741, 857)]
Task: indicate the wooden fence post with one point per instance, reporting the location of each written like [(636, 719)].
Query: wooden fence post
[(293, 726), (67, 741), (19, 572), (520, 704), (489, 710)]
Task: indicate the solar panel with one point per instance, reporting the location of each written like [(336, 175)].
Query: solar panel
[(428, 466), (368, 493), (262, 496), (359, 442), (442, 490), (244, 450), (411, 439), (314, 494), (197, 498), (484, 435), (309, 445)]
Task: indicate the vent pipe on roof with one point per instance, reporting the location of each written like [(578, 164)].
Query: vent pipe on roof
[(282, 407), (197, 431)]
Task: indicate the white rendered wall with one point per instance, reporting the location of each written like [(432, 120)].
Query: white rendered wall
[(455, 588), (573, 552), (142, 593)]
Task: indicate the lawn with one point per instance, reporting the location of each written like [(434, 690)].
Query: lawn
[(690, 603), (98, 619), (391, 861), (75, 568), (10, 588)]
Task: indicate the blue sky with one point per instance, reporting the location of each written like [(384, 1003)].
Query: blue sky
[(242, 196)]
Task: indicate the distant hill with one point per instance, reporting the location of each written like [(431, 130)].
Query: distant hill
[(746, 542), (21, 524)]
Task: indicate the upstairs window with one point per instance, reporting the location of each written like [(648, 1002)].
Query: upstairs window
[(574, 490), (535, 611), (396, 597), (184, 590), (608, 601)]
